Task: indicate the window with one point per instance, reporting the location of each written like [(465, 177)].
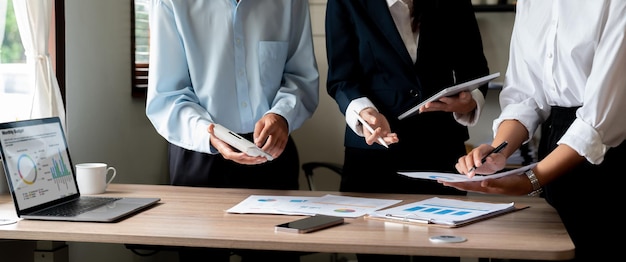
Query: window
[(141, 46), (16, 79)]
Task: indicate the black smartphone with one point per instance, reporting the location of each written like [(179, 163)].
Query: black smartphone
[(309, 224)]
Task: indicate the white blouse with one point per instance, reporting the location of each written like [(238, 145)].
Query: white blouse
[(569, 54)]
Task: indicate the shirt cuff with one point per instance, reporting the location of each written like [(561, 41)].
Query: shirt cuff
[(585, 140), (471, 118), (202, 135), (356, 106)]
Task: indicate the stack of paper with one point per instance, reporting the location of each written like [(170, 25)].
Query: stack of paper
[(442, 211)]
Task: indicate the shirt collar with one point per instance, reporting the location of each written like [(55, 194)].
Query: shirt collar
[(392, 2)]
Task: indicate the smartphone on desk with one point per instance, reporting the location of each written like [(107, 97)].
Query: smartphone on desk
[(309, 224)]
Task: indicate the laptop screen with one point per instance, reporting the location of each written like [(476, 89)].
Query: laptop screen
[(36, 162)]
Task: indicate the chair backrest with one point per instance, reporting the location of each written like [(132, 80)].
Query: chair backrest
[(309, 167)]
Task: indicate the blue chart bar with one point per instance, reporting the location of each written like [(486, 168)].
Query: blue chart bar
[(59, 169)]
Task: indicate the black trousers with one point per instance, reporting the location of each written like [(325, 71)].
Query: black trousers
[(190, 168), (577, 195)]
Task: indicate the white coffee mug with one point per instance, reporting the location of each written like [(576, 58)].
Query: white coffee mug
[(92, 177)]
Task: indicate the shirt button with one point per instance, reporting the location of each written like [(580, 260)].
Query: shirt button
[(550, 55), (244, 104), (413, 93)]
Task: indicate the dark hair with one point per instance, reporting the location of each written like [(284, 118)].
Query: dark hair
[(416, 14)]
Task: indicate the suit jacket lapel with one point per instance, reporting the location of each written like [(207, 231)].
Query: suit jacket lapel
[(379, 12)]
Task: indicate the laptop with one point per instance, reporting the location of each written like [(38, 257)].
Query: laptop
[(42, 179)]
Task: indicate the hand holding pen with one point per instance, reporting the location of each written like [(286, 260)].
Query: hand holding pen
[(371, 130), (484, 159)]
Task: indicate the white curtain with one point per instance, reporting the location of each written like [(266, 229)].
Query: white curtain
[(3, 16), (33, 20)]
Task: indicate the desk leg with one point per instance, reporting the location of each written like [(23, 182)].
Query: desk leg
[(51, 251)]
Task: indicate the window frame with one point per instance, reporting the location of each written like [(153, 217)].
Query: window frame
[(139, 72), (57, 46)]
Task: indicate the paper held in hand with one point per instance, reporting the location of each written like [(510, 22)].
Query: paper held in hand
[(453, 90), (455, 177)]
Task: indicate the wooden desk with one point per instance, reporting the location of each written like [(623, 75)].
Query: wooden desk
[(190, 216)]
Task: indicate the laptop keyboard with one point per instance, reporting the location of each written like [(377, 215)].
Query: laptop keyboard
[(77, 207)]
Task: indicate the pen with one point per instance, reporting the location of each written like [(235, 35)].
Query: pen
[(495, 150), (407, 219), (369, 128)]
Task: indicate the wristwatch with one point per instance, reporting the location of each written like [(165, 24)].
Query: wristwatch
[(537, 190)]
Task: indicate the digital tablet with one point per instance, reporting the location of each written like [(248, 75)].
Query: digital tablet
[(239, 142), (453, 90)]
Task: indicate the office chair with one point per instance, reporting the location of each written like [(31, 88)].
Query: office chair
[(310, 166), (308, 169)]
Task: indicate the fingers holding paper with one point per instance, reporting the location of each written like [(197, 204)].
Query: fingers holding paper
[(493, 161), (515, 185)]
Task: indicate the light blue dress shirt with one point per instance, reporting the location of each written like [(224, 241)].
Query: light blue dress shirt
[(219, 61)]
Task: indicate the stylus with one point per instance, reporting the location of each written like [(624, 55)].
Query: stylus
[(495, 150), (369, 128)]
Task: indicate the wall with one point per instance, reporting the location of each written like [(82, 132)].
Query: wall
[(106, 124)]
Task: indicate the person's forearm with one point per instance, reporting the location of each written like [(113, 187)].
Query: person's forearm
[(514, 133), (562, 159)]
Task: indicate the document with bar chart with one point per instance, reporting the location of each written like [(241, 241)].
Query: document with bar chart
[(444, 211)]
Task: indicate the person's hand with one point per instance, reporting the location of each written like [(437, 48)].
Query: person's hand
[(493, 163), (380, 125), (514, 185), (462, 103), (231, 153), (271, 134)]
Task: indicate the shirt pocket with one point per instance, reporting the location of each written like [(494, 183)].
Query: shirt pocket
[(272, 59)]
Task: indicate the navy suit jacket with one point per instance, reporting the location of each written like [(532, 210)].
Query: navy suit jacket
[(367, 58)]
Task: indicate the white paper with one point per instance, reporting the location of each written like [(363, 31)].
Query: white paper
[(331, 205), (344, 206), (442, 211), (455, 177), (260, 204)]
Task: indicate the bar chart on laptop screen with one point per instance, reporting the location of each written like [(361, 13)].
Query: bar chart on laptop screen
[(38, 164)]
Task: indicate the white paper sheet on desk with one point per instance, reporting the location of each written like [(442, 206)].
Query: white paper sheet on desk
[(281, 205), (454, 177), (344, 206), (331, 205)]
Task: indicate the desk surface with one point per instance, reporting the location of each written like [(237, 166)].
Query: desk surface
[(188, 216)]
